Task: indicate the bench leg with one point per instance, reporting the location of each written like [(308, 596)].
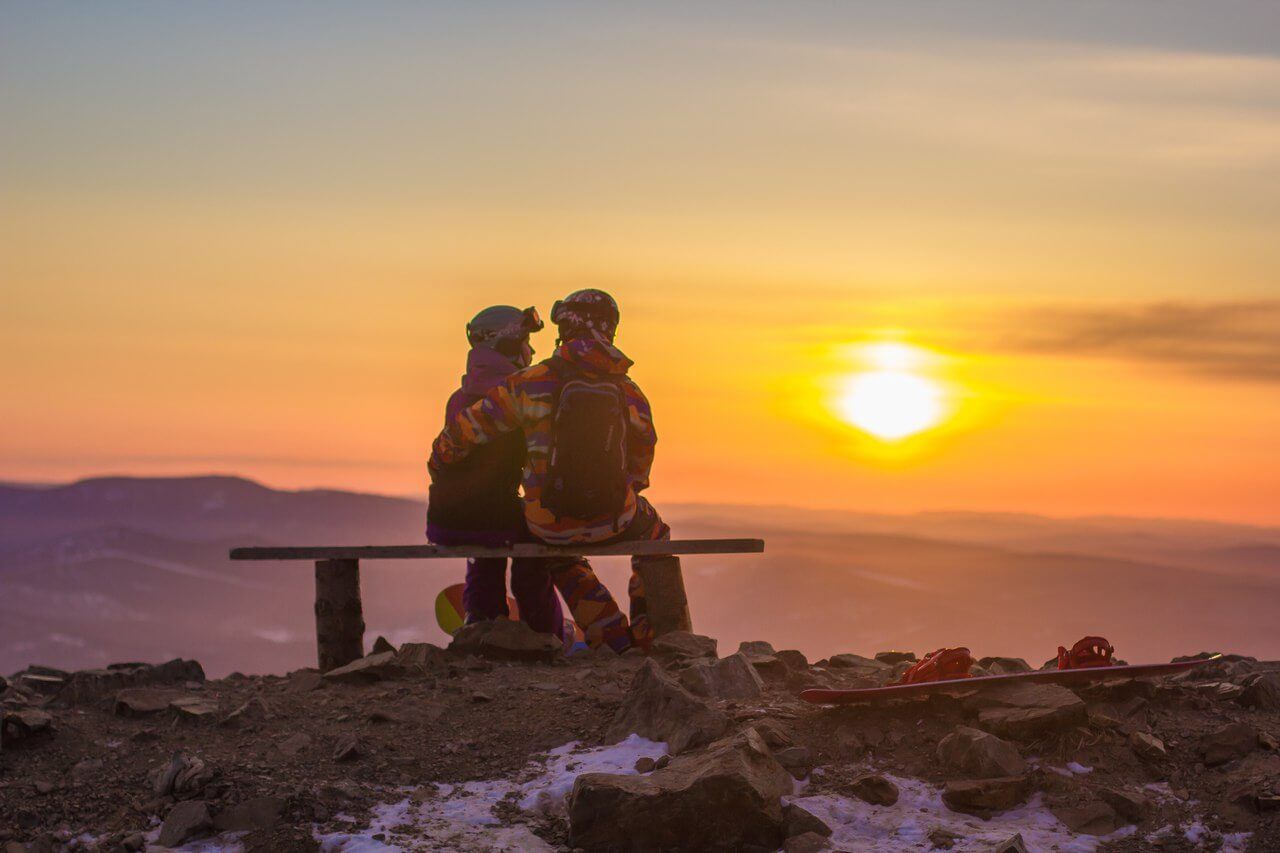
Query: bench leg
[(339, 613), (664, 595)]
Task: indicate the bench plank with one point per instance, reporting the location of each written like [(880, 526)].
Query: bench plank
[(523, 549)]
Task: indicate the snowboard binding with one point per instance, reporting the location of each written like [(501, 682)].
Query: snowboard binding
[(940, 665), (1088, 652)]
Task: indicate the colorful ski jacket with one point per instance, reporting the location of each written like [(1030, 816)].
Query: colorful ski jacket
[(526, 401), (476, 501)]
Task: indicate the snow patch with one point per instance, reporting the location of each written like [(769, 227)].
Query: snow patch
[(461, 817), (920, 810)]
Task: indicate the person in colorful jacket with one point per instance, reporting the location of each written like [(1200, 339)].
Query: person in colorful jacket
[(587, 321), (476, 501)]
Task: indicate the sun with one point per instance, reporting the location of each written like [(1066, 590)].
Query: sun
[(891, 401)]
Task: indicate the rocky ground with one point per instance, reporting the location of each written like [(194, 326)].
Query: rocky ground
[(501, 743)]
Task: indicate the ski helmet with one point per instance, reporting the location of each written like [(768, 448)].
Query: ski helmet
[(504, 329), (585, 311)]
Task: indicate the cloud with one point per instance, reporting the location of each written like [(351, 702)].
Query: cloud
[(1239, 339)]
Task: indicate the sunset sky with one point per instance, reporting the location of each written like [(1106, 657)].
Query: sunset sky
[(246, 238)]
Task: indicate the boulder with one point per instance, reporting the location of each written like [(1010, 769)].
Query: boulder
[(93, 684), (503, 639), (1091, 818), (728, 678), (184, 822), (1004, 666), (852, 661), (1013, 844), (1147, 746), (797, 820), (793, 660), (895, 657), (774, 733), (727, 797), (1022, 711), (985, 797), (195, 707), (143, 701), (658, 708), (255, 710), (369, 668), (19, 722), (304, 681), (1228, 743), (683, 645), (183, 775), (419, 656), (1130, 805), (248, 815), (756, 648), (295, 743), (875, 789), (1261, 692), (971, 752), (797, 759)]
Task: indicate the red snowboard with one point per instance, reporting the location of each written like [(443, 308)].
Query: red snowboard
[(1050, 676)]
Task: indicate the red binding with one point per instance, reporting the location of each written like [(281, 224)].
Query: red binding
[(940, 665), (1089, 652)]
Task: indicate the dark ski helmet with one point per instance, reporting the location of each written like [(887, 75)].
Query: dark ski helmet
[(585, 311), (504, 329)]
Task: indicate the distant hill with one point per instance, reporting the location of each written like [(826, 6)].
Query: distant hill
[(120, 568)]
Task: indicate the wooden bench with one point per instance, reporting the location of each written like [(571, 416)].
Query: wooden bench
[(340, 613)]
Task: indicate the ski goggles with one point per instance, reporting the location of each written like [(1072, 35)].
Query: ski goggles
[(532, 320)]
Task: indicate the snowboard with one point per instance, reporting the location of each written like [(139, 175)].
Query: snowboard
[(981, 682), (451, 615)]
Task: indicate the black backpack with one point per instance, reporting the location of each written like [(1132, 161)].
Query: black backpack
[(587, 472)]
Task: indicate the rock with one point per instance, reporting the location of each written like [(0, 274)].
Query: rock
[(93, 684), (369, 668), (1268, 741), (797, 759), (727, 797), (943, 838), (972, 752), (1147, 746), (1228, 743), (663, 761), (658, 708), (645, 764), (295, 743), (798, 821), (985, 797), (683, 645), (892, 657), (195, 707), (1093, 818), (774, 733), (184, 822), (381, 645), (728, 678), (756, 648), (248, 815), (420, 657), (1004, 666), (1132, 806), (852, 661), (19, 723), (142, 701), (502, 639), (1023, 711), (304, 681), (793, 660), (1015, 844), (1261, 692), (253, 711), (347, 748), (86, 769), (183, 775), (875, 789), (806, 842)]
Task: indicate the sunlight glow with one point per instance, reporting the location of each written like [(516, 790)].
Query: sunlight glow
[(891, 400)]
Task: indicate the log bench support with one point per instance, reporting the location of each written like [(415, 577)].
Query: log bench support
[(340, 613)]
